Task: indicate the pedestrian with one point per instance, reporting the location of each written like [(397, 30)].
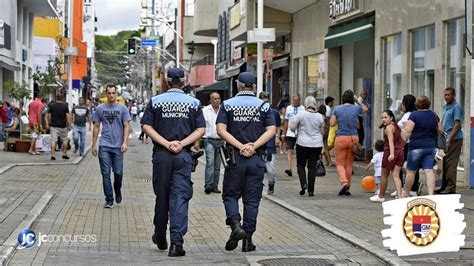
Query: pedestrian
[(80, 115), (309, 143), (282, 146), (143, 137), (452, 126), (329, 101), (115, 120), (407, 107), (376, 163), (34, 120), (134, 112), (361, 130), (59, 123), (174, 121), (393, 156), (270, 148), (420, 129), (13, 131), (212, 142), (289, 136), (346, 117), (246, 124)]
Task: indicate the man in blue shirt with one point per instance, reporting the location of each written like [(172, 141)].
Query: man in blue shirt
[(452, 123), (246, 123), (174, 121), (113, 143)]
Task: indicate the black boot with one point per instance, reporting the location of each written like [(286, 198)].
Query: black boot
[(176, 251), (237, 234), (247, 244), (161, 243)]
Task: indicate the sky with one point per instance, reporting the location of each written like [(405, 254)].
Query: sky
[(117, 15)]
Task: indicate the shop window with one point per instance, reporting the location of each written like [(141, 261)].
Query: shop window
[(315, 77), (456, 64), (393, 73), (455, 58), (423, 61)]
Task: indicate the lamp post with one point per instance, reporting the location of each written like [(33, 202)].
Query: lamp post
[(260, 35)]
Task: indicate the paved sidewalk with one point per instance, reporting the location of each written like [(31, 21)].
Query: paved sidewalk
[(356, 214), (123, 233)]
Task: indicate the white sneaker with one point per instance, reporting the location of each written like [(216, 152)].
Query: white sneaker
[(394, 194), (376, 198), (413, 194)]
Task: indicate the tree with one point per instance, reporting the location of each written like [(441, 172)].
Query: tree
[(47, 81), (17, 91)]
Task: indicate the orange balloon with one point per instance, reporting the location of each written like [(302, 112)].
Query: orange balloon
[(368, 183)]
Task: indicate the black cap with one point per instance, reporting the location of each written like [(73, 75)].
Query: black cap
[(175, 74), (246, 79)]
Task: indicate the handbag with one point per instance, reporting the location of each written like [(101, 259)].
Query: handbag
[(332, 136), (440, 138), (320, 169)]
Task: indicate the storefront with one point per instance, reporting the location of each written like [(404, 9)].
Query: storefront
[(389, 49)]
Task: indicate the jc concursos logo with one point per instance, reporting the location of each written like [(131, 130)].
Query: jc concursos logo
[(26, 238)]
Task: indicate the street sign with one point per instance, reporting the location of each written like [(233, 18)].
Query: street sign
[(148, 42)]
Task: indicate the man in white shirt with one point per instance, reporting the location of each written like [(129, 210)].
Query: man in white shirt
[(289, 136), (212, 142)]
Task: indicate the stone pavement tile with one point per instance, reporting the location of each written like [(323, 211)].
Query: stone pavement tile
[(124, 232), (354, 214)]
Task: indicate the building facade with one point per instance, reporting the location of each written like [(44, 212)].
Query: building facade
[(16, 39), (389, 49)]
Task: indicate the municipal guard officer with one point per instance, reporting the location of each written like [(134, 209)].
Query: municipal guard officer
[(246, 123), (174, 121)]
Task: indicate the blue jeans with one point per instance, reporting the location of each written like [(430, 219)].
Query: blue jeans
[(213, 163), (421, 158), (79, 132), (111, 158)]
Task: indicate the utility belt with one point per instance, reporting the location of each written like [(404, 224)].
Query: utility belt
[(228, 155)]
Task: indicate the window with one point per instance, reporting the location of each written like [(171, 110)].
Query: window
[(456, 64), (189, 8), (455, 57), (393, 73), (315, 77), (423, 61)]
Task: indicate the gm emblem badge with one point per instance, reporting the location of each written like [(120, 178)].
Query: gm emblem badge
[(421, 224)]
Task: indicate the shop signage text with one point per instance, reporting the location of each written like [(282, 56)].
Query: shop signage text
[(339, 8)]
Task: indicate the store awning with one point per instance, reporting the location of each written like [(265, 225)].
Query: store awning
[(220, 85), (359, 30), (234, 70), (278, 63)]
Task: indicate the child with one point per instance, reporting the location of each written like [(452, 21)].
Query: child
[(376, 162), (393, 156)]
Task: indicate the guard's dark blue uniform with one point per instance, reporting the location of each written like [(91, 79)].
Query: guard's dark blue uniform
[(174, 115), (245, 179)]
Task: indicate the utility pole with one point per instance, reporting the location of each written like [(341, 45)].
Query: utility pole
[(71, 44), (153, 63), (178, 30), (259, 48)]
